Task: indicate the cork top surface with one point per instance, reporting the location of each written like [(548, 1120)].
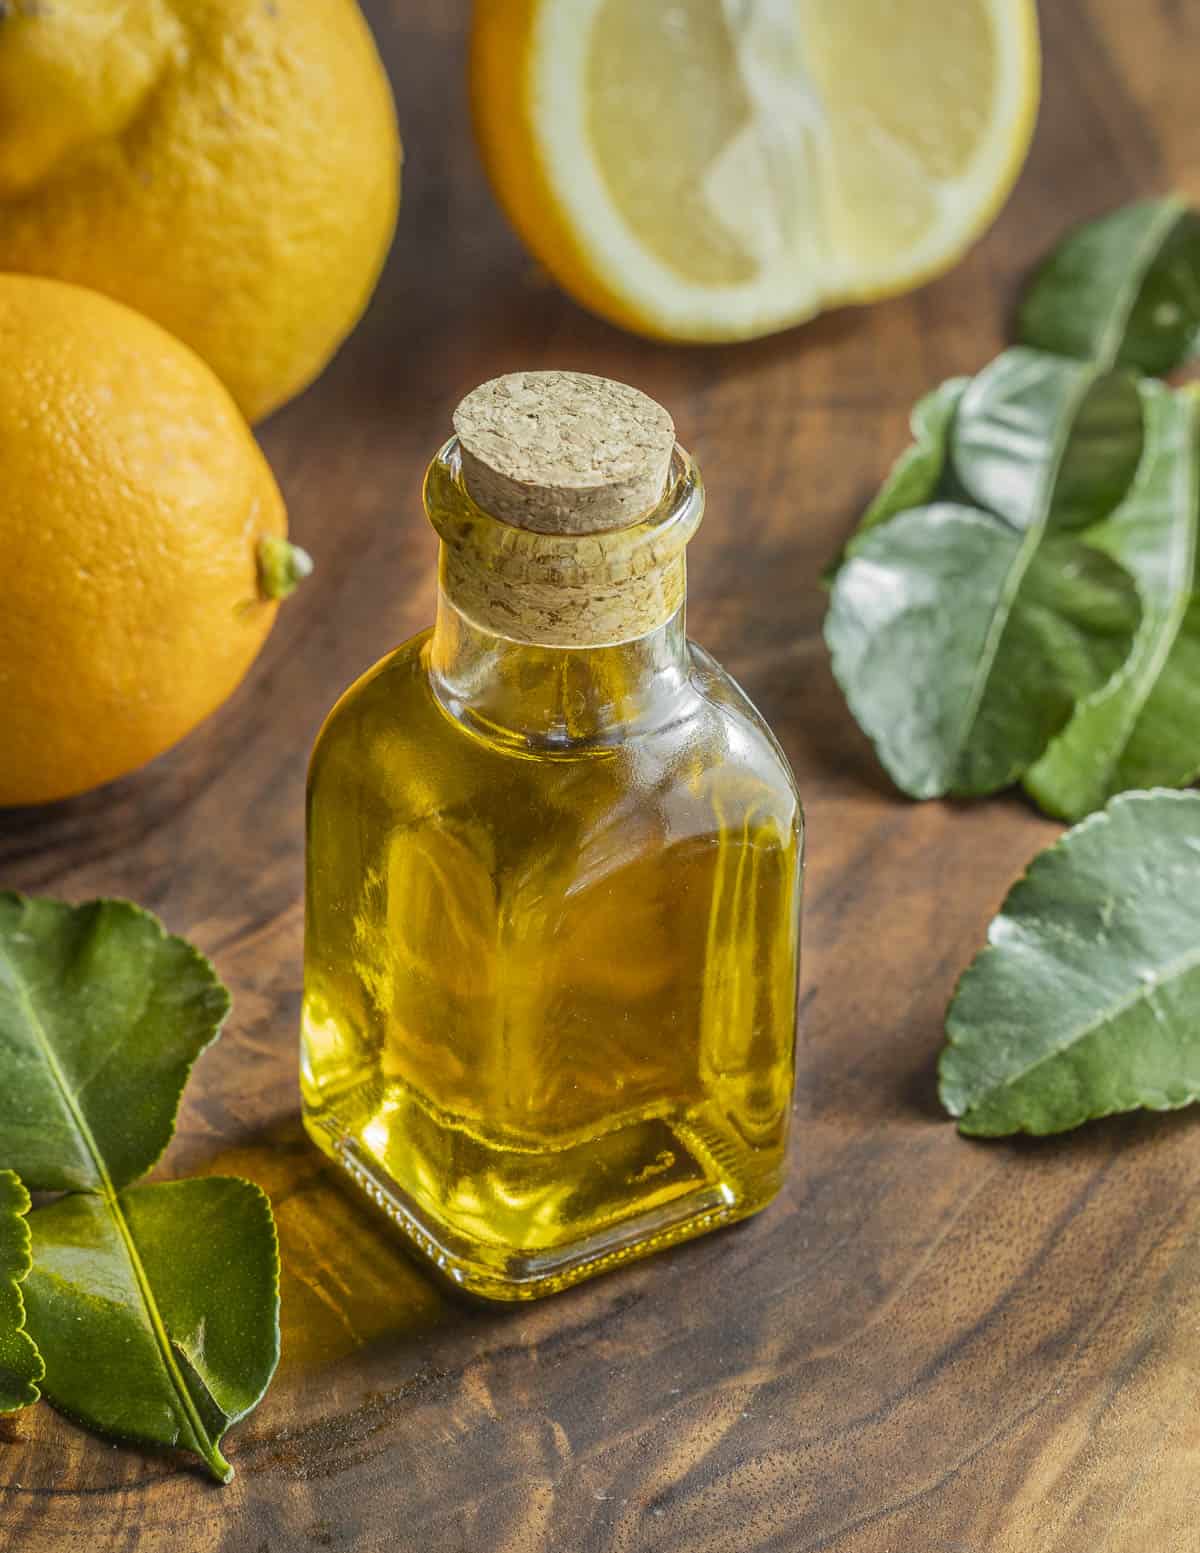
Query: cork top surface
[(564, 452)]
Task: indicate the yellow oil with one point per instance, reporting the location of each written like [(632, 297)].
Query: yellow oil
[(552, 916)]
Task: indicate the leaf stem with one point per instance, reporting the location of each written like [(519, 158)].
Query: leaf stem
[(204, 1447)]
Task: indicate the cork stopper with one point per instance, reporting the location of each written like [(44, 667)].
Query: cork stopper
[(564, 452)]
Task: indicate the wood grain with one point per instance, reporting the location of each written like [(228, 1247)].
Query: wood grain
[(927, 1345)]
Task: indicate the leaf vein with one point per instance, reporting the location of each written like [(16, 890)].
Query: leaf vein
[(205, 1446), (1002, 607), (1113, 334), (1145, 993)]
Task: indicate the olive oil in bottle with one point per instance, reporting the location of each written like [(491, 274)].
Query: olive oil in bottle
[(554, 860)]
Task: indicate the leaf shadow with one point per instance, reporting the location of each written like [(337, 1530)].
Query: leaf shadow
[(918, 1089), (1095, 1142)]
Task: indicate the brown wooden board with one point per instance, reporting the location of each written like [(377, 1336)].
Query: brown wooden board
[(926, 1345)]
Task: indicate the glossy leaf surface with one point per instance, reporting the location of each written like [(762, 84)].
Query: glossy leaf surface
[(1086, 1000), (155, 1308), (21, 1365), (1121, 291), (963, 636), (157, 1314), (1047, 443), (102, 1014), (1142, 729)]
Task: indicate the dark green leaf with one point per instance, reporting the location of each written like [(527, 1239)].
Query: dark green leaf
[(21, 1365), (157, 1312), (101, 1016), (1086, 1000), (964, 636), (155, 1308), (1142, 729), (1045, 442), (1121, 291)]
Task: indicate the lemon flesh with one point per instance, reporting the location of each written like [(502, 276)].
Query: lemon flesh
[(723, 168)]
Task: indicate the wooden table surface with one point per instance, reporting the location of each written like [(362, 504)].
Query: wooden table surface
[(926, 1345)]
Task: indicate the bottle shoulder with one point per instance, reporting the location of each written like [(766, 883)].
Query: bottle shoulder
[(748, 736), (377, 698), (376, 687), (391, 739)]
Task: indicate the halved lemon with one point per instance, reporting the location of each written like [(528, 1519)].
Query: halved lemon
[(718, 169)]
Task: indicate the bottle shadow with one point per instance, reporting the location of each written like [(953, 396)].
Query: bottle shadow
[(346, 1281)]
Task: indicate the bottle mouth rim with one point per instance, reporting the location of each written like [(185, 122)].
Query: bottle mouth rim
[(647, 544)]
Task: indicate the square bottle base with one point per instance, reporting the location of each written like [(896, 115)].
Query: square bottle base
[(691, 1198)]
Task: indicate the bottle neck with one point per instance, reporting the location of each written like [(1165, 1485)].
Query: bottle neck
[(559, 641), (542, 699)]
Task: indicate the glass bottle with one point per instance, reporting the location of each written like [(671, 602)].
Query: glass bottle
[(553, 872)]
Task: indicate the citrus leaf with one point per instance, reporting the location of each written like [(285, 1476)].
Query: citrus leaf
[(963, 636), (155, 1308), (1086, 1000), (1121, 291), (102, 1014), (1142, 729), (21, 1365), (1047, 443), (157, 1311)]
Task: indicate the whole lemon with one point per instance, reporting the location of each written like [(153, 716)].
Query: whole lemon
[(228, 167), (141, 533)]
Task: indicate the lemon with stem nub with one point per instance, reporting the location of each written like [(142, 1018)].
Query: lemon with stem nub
[(143, 536), (718, 169)]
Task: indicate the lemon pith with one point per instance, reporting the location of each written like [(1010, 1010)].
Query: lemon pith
[(713, 171)]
